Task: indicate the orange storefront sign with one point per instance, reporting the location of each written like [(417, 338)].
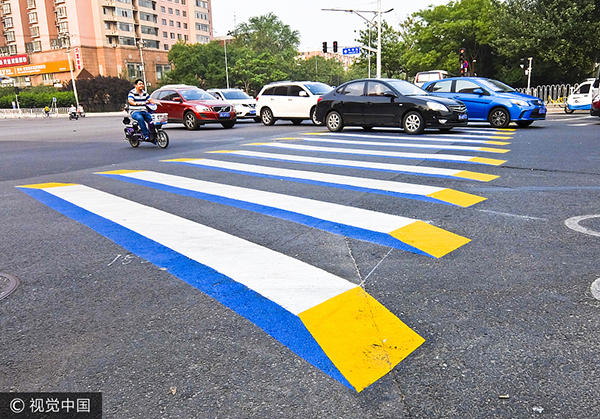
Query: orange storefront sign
[(32, 69)]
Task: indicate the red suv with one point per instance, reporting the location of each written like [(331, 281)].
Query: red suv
[(193, 106)]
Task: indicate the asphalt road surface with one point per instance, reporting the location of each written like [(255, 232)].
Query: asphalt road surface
[(262, 272)]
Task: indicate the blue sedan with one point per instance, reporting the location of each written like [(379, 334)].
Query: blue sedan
[(490, 100)]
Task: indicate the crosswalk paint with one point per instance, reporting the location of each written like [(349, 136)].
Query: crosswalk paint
[(399, 189), (359, 164), (391, 154), (408, 142), (375, 227), (456, 137), (330, 322)]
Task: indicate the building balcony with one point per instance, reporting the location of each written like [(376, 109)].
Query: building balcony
[(109, 3)]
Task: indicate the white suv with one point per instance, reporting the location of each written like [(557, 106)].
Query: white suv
[(293, 101), (245, 106)]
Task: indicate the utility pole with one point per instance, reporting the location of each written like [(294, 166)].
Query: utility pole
[(141, 45), (378, 13), (67, 39)]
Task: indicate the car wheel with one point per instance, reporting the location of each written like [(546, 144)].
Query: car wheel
[(334, 121), (228, 124), (499, 118), (569, 110), (266, 116), (413, 123), (313, 116), (190, 121), (524, 123)]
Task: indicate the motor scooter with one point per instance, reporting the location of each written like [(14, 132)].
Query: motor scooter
[(73, 115), (133, 132)]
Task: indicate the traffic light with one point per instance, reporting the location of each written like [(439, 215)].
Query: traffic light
[(334, 46), (461, 60), (16, 90), (324, 46)]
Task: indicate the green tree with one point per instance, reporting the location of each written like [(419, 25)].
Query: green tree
[(434, 36), (560, 35), (328, 71), (268, 33), (99, 93), (392, 52)]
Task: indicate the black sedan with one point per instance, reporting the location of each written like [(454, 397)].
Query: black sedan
[(388, 103)]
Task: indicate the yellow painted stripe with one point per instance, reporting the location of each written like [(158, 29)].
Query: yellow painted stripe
[(497, 137), (119, 172), (363, 339), (452, 196), (493, 150), (46, 185), (256, 143), (498, 142), (431, 239), (483, 160), (483, 177)]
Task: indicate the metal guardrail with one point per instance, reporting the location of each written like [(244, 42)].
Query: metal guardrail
[(31, 113), (551, 94)]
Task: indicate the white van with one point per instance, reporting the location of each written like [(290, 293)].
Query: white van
[(425, 76), (581, 97)]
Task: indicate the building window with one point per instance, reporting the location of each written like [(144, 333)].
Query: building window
[(170, 10), (172, 35), (161, 69), (126, 40), (5, 9), (146, 3), (127, 27), (124, 1), (164, 22), (202, 4), (63, 27), (31, 4), (162, 9), (171, 23), (35, 31), (148, 17), (134, 71), (124, 12), (33, 17), (202, 27), (149, 30), (166, 46), (202, 39), (8, 22), (184, 13), (12, 49), (177, 13), (61, 12), (165, 35), (10, 36), (179, 24), (48, 77), (187, 38), (185, 26)]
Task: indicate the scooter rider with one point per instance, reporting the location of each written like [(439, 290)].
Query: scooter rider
[(137, 100), (72, 110)]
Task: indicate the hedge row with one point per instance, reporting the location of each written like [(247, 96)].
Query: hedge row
[(38, 100)]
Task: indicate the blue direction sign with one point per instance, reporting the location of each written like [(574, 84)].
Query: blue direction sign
[(354, 50)]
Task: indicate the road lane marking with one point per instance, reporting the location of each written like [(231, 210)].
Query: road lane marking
[(496, 135), (375, 227), (407, 145), (458, 138), (573, 224), (384, 167), (279, 294), (391, 154), (383, 187)]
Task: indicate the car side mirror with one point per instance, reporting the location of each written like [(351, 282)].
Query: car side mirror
[(596, 83), (177, 99), (480, 91), (303, 94)]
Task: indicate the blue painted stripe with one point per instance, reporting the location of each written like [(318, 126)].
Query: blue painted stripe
[(371, 236), (270, 317), (319, 183)]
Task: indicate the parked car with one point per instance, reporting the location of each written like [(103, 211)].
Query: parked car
[(595, 108), (388, 102), (490, 100), (581, 97), (193, 106), (245, 106), (425, 76), (293, 101)]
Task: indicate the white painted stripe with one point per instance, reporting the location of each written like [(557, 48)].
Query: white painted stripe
[(395, 144), (446, 138), (399, 135), (370, 220), (396, 154), (294, 285), (349, 163), (398, 187)]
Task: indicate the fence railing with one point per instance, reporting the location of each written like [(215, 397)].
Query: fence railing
[(30, 113), (555, 93)]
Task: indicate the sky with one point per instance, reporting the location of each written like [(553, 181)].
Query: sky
[(315, 26)]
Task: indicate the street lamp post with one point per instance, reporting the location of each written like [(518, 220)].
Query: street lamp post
[(141, 45), (66, 38), (378, 14)]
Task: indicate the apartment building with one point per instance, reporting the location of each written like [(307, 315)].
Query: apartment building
[(45, 39)]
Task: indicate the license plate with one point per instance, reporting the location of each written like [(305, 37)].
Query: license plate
[(224, 115), (542, 110), (462, 117), (252, 112)]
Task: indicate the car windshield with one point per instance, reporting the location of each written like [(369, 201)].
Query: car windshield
[(496, 86), (318, 88), (195, 94), (407, 89), (235, 94)]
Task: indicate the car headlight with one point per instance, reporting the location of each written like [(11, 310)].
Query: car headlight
[(520, 102), (436, 106), (201, 108)]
